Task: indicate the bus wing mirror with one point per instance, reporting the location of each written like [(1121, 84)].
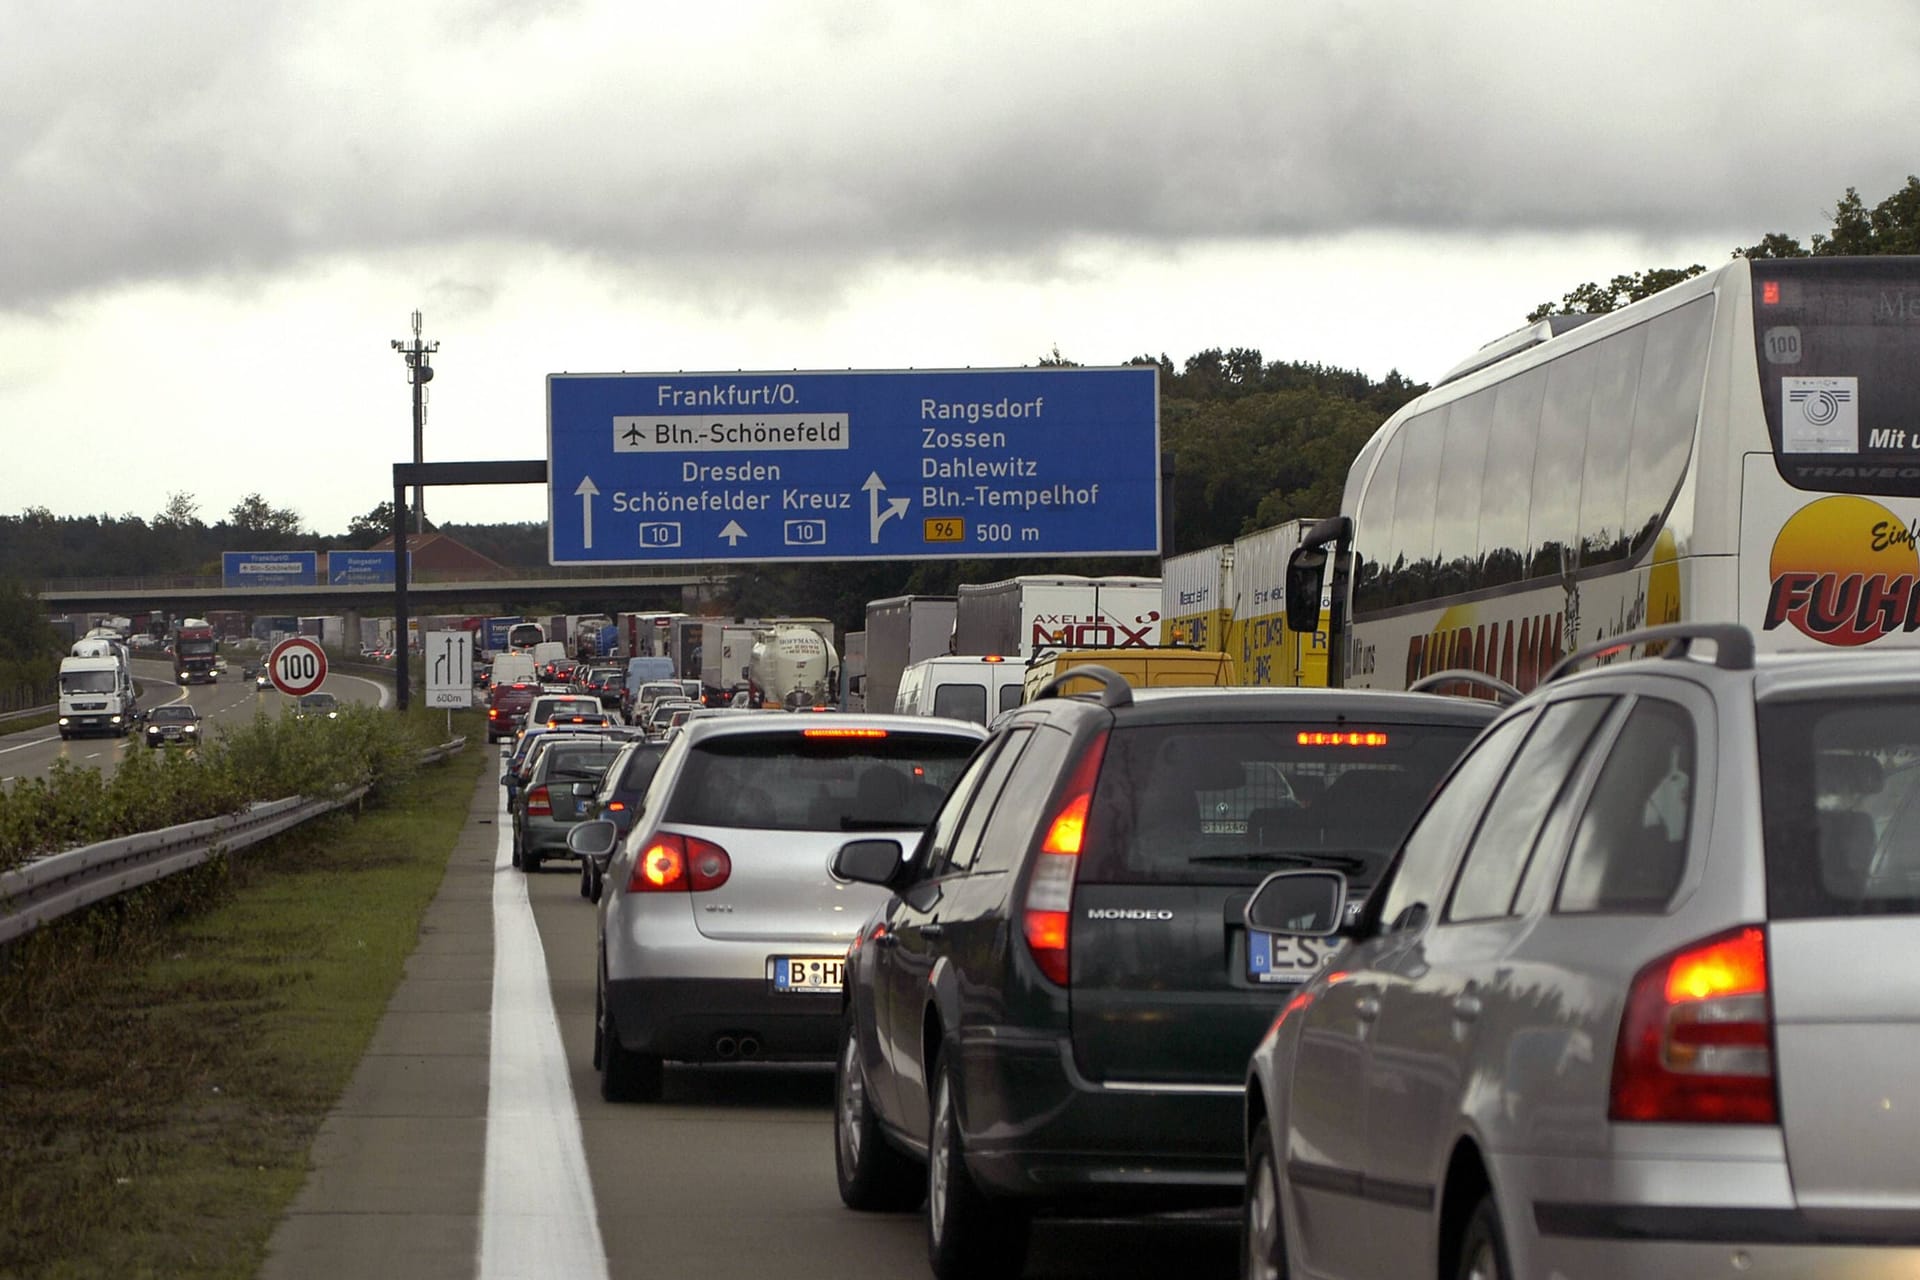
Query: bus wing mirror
[(1305, 569)]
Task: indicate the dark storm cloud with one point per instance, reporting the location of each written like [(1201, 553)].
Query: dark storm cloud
[(204, 140)]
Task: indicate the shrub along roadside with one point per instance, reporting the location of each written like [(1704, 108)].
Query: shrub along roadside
[(170, 1054), (268, 758)]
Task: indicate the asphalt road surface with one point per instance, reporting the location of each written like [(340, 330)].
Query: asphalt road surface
[(731, 1174)]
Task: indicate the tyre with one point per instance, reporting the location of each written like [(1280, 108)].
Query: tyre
[(599, 879), (874, 1175), (1263, 1249), (516, 846), (586, 878), (626, 1076), (530, 861), (1483, 1247), (968, 1234)]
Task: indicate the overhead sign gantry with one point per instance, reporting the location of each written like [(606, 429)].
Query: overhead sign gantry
[(707, 467)]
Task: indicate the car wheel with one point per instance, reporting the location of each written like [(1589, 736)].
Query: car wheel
[(874, 1175), (599, 879), (626, 1076), (516, 846), (968, 1234), (1483, 1247), (1263, 1249), (586, 878), (530, 861)]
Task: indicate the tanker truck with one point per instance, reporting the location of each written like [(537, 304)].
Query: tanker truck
[(793, 666)]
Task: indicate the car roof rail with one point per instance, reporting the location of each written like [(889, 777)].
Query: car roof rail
[(1115, 692), (1503, 693), (1732, 643)]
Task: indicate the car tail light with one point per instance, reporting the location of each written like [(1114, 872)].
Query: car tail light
[(1047, 917), (1696, 1040), (673, 863), (538, 803)]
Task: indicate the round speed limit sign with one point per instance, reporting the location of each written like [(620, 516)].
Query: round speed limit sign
[(297, 665)]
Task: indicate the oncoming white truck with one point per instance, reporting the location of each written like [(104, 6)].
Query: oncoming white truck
[(96, 689)]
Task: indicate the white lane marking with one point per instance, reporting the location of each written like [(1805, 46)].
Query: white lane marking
[(386, 694), (37, 742), (536, 1204)]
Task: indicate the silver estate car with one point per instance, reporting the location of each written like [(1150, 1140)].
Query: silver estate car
[(1640, 997), (723, 931)]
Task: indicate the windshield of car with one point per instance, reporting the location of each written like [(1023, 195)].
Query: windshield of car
[(318, 702), (818, 780), (172, 715), (576, 761), (1840, 793), (1231, 803)]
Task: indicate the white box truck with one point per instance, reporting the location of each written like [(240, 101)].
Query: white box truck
[(903, 630), (96, 693), (1020, 617)]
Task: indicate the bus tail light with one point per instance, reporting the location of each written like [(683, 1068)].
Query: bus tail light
[(1046, 920)]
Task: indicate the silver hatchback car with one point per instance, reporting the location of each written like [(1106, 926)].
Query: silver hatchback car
[(723, 930), (1641, 996)]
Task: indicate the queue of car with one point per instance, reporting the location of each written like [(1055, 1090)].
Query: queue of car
[(1427, 985)]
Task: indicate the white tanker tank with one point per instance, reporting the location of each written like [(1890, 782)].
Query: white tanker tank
[(793, 666)]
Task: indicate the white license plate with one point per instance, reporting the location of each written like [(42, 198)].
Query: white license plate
[(808, 973), (1285, 961)]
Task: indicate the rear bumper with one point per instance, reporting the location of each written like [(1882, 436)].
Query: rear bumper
[(692, 1019), (1037, 1128), (1667, 1215)]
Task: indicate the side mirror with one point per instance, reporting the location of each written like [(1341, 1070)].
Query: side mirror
[(868, 861), (593, 839), (1305, 569), (1299, 904), (506, 779)]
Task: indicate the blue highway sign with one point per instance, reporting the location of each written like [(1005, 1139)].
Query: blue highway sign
[(360, 568), (269, 569), (689, 467)]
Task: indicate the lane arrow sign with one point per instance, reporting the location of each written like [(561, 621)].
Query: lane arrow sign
[(733, 533), (875, 517), (587, 492)]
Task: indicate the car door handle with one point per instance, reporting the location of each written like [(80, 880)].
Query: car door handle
[(1466, 1008), (1367, 1008)]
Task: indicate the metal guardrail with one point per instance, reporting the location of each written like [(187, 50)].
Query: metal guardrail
[(43, 891)]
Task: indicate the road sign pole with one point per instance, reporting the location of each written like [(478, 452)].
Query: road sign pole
[(400, 567)]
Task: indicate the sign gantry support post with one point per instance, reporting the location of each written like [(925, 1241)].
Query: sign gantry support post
[(420, 475)]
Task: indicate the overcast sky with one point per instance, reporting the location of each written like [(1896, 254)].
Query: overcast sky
[(215, 216)]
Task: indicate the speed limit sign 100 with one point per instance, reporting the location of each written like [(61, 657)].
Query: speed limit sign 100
[(297, 666)]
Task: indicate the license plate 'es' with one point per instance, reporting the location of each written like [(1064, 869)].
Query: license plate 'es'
[(807, 973), (1288, 961)]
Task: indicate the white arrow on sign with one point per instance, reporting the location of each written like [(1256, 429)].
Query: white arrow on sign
[(876, 517), (733, 533), (587, 492)]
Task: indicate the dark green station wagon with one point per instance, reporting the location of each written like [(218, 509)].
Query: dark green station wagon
[(1055, 1009)]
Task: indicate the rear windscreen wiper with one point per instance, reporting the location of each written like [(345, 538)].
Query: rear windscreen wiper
[(1292, 859)]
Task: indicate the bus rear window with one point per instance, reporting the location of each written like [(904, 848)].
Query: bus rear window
[(1838, 345)]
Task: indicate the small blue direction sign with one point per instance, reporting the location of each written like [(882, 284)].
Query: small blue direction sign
[(663, 468), (360, 568), (269, 569)]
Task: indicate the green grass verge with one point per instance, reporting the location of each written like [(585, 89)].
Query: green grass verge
[(168, 1057)]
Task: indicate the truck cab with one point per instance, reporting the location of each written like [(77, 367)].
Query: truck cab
[(96, 696)]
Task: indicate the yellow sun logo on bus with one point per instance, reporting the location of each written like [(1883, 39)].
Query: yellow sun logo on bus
[(1844, 572)]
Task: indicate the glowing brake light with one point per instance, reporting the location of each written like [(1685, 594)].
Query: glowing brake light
[(993, 657), (843, 733), (673, 863), (1310, 738), (1696, 1037), (1046, 918)]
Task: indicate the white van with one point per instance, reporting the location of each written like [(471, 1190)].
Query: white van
[(976, 689), (548, 652), (513, 668)]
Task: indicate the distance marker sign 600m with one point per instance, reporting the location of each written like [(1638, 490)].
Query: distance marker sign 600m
[(674, 468)]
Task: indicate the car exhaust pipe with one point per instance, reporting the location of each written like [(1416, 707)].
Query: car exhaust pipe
[(749, 1046), (726, 1048)]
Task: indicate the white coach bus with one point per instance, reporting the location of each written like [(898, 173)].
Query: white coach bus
[(1744, 446)]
